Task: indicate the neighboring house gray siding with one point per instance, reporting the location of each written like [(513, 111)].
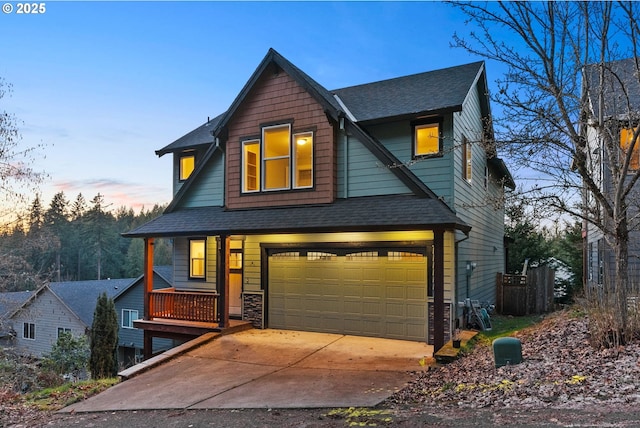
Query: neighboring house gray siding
[(47, 313), (132, 299)]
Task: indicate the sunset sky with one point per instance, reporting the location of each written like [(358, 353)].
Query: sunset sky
[(104, 84)]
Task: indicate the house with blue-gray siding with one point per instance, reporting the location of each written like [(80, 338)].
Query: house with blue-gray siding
[(368, 210), (129, 305)]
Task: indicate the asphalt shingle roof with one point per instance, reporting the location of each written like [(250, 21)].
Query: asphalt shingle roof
[(81, 296), (200, 136), (410, 95), (10, 301), (393, 212)]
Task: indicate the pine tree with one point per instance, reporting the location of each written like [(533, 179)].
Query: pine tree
[(103, 362)]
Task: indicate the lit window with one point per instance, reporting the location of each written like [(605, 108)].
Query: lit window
[(128, 317), (187, 165), (251, 166), (626, 138), (235, 259), (363, 255), (279, 161), (29, 331), (288, 255), (276, 149), (398, 256), (303, 158), (466, 160), (427, 139), (196, 258), (320, 255)]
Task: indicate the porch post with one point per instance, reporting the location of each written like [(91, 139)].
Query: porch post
[(148, 276), (223, 281), (148, 286), (438, 289)]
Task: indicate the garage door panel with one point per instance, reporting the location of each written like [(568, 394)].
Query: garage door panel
[(416, 293), (395, 292), (395, 309), (367, 295), (416, 311), (372, 308), (372, 290)]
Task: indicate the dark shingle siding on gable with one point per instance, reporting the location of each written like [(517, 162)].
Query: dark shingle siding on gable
[(437, 90)]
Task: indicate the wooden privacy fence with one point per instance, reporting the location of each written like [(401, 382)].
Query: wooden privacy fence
[(525, 294)]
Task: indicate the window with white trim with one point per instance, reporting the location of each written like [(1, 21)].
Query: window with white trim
[(197, 258), (466, 159), (278, 160), (29, 331), (128, 317), (62, 330)]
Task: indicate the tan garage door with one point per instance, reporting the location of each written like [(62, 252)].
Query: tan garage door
[(380, 293)]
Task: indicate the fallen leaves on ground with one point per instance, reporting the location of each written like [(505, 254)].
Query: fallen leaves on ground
[(560, 368)]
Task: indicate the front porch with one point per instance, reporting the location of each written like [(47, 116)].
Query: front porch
[(176, 314)]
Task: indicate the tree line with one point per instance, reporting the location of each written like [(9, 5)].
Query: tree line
[(72, 241)]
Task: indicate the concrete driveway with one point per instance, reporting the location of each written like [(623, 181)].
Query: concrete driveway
[(269, 369)]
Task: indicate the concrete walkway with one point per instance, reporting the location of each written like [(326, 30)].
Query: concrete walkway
[(270, 369)]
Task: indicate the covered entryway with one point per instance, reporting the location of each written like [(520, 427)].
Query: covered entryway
[(378, 292)]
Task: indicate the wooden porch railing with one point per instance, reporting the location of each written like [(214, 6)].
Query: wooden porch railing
[(183, 305)]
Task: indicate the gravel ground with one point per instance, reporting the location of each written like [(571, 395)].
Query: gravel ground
[(563, 381)]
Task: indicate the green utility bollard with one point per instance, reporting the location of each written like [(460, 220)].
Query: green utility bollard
[(507, 350)]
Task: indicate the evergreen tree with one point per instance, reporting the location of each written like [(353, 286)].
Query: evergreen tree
[(104, 339)]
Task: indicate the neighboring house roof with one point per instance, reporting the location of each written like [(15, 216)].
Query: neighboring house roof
[(406, 96), (164, 272), (393, 212), (9, 301), (621, 89), (81, 296)]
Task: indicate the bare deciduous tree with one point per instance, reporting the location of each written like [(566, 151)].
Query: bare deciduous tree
[(564, 104), (18, 179)]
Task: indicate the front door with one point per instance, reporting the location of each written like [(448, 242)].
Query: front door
[(235, 278)]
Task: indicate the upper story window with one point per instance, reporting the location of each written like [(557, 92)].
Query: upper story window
[(466, 159), (626, 138), (427, 139), (197, 258), (279, 160), (187, 164)]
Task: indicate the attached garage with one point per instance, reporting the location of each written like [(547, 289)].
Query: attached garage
[(368, 291)]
